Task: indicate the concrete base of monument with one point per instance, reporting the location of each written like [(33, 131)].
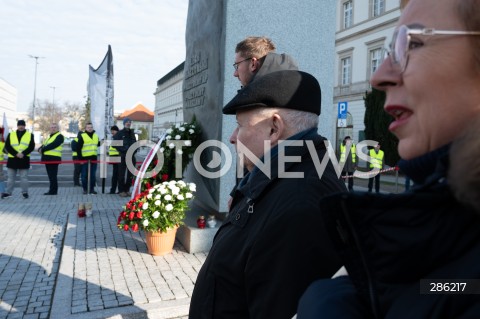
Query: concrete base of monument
[(196, 239)]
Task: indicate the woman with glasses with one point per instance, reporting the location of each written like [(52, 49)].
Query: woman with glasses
[(416, 254)]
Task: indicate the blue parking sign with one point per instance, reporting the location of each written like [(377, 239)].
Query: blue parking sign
[(342, 110)]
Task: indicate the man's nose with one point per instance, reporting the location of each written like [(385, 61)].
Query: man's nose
[(233, 137)]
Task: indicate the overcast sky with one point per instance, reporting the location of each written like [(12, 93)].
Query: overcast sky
[(147, 39)]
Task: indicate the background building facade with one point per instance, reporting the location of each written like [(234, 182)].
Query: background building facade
[(168, 101), (142, 121), (364, 29), (8, 103)]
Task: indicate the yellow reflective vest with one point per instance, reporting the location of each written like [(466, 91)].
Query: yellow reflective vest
[(2, 145), (112, 151), (376, 159), (22, 145), (353, 151), (56, 151), (90, 145)]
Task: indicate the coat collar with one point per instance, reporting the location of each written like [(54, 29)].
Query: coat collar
[(255, 182)]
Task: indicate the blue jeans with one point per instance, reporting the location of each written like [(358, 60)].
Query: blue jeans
[(93, 172), (12, 174)]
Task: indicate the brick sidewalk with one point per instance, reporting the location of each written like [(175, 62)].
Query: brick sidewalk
[(55, 265)]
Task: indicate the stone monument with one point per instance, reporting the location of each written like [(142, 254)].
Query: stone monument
[(305, 30)]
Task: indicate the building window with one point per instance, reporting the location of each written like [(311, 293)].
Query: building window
[(346, 70), (347, 14), (376, 58), (378, 7)]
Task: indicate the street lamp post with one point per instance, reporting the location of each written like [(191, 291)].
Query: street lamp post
[(34, 88), (53, 97)]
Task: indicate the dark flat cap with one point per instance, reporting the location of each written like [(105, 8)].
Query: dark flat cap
[(288, 89), (21, 123)]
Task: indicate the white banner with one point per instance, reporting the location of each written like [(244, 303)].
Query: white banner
[(5, 127), (100, 92)]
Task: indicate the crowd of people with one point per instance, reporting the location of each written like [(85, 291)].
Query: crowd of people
[(19, 145)]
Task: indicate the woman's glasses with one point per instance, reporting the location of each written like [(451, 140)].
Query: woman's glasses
[(401, 42)]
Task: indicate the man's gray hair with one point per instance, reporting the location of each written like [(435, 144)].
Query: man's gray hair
[(298, 121)]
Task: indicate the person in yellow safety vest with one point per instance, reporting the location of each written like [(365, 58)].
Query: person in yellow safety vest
[(376, 161), (87, 149), (112, 151), (2, 157), (51, 151), (77, 167), (19, 144), (349, 161)]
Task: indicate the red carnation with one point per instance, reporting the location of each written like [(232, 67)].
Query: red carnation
[(125, 227), (139, 214), (123, 214), (164, 177), (131, 216), (135, 227)]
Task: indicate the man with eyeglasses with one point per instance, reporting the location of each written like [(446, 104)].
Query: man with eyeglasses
[(255, 57)]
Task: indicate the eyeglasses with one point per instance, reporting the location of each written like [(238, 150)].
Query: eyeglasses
[(401, 42), (235, 65)]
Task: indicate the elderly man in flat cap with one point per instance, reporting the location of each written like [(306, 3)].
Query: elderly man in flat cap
[(19, 144), (272, 244), (125, 176)]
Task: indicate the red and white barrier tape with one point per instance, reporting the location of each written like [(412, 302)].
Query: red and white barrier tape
[(366, 174)]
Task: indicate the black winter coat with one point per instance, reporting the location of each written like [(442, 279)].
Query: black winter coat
[(128, 138), (15, 162), (390, 243), (271, 245)]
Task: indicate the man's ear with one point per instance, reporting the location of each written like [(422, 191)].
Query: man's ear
[(255, 65), (277, 128)]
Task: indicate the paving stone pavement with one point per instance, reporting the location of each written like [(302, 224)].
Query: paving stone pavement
[(56, 265)]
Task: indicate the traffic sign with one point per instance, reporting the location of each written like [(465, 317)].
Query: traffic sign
[(342, 123), (342, 110)]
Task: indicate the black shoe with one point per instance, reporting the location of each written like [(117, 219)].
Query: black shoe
[(93, 192), (48, 193), (112, 192), (6, 195), (25, 195)]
